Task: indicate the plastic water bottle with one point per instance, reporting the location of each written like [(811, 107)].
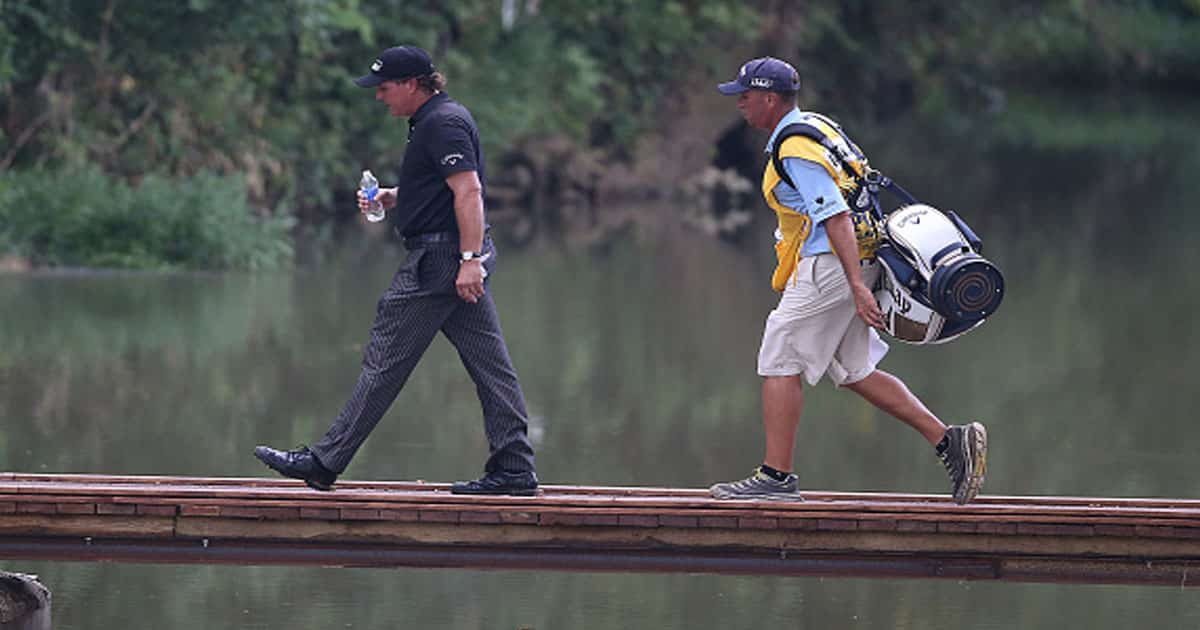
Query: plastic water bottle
[(370, 187)]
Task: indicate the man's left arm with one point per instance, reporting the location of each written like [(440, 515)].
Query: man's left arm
[(468, 212)]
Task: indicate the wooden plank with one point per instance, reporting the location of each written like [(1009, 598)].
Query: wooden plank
[(1039, 525), (828, 537), (583, 507), (88, 525), (762, 510), (1017, 537), (646, 491), (97, 494), (1036, 512), (577, 535), (604, 490)]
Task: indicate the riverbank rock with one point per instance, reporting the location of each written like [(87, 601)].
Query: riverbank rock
[(24, 602), (718, 202), (11, 263)]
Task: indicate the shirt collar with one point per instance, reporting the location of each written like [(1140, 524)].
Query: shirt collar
[(791, 117), (427, 106)]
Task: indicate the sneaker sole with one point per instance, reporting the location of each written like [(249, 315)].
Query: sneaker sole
[(976, 447), (765, 496)]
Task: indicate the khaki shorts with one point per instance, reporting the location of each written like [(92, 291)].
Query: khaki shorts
[(816, 330)]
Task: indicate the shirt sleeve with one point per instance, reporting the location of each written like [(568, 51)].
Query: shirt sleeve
[(821, 197), (452, 148)]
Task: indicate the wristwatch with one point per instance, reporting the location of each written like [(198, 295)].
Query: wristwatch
[(465, 256)]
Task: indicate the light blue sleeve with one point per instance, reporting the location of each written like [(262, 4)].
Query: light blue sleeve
[(818, 194)]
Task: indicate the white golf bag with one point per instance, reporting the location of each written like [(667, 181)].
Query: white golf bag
[(935, 286)]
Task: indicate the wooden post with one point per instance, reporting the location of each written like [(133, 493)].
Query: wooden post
[(24, 602)]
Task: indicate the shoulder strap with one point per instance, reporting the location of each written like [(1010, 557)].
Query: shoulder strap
[(794, 129), (870, 182)]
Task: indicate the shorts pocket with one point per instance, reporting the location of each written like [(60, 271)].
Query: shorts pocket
[(827, 274)]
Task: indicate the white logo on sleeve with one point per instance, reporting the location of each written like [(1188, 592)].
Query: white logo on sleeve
[(450, 159)]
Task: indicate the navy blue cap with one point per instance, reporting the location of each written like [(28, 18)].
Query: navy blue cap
[(396, 64), (764, 73)]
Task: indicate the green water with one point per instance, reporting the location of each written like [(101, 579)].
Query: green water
[(638, 366)]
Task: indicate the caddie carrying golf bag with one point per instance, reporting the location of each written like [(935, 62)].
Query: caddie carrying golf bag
[(935, 284)]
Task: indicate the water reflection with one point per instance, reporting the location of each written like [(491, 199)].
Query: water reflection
[(639, 364), (157, 596)]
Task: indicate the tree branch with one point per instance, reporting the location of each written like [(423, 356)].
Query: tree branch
[(24, 137), (132, 129)]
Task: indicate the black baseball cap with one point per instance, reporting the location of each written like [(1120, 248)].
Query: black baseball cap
[(764, 73), (397, 64)]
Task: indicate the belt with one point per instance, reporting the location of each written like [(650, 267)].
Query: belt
[(428, 238), (862, 262)]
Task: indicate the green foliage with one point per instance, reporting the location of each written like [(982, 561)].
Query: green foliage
[(86, 218), (265, 90), (946, 58), (1104, 42)]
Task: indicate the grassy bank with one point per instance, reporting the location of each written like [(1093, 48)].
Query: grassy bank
[(85, 218)]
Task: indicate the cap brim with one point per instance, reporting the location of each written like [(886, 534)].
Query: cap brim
[(731, 88), (370, 80)]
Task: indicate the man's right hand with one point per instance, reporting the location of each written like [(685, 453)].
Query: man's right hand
[(867, 306), (386, 197)]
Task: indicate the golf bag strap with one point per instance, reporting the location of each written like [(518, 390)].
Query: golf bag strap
[(810, 132), (870, 183)]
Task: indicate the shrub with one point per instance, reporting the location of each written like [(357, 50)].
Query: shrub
[(86, 218)]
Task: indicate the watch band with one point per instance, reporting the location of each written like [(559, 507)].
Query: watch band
[(465, 256)]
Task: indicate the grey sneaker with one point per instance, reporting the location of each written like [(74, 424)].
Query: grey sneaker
[(963, 450), (760, 485)]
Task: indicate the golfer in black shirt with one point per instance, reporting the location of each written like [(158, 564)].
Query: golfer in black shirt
[(437, 207)]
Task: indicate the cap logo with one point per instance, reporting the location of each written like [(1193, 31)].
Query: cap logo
[(760, 82), (377, 65), (451, 159)]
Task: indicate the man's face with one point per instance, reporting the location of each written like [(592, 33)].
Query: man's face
[(399, 96), (755, 106)]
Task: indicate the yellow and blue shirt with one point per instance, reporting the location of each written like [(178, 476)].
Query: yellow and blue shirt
[(818, 194)]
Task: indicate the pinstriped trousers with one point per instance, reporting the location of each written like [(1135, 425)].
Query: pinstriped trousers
[(420, 301)]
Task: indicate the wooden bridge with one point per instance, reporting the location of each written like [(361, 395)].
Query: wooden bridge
[(394, 524)]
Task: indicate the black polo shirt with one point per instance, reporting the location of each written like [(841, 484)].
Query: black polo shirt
[(442, 140)]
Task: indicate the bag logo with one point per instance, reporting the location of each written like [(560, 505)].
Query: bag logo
[(864, 198), (902, 303), (913, 216)]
